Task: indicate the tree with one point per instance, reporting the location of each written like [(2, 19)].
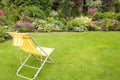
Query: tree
[(117, 6), (108, 5), (66, 8)]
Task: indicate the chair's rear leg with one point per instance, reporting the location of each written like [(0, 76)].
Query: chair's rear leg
[(23, 64)]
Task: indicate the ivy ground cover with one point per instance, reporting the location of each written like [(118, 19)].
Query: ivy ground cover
[(78, 56)]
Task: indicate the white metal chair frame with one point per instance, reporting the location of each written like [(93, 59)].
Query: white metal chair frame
[(42, 62)]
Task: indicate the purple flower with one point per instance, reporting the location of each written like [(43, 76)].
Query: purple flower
[(1, 13), (27, 23)]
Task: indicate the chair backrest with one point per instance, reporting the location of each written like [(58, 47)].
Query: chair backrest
[(24, 42)]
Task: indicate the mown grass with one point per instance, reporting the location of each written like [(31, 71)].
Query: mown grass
[(78, 56)]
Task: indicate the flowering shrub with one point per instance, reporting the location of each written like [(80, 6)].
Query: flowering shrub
[(24, 26), (47, 25), (111, 25), (94, 26), (1, 21), (26, 23), (79, 24), (1, 13)]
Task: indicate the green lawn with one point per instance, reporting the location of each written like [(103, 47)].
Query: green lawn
[(78, 56)]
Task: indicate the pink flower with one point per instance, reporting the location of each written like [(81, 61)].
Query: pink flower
[(1, 13), (91, 10)]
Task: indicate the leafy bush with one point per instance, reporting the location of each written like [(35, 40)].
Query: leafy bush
[(98, 15), (66, 8), (118, 16), (35, 10), (94, 3), (94, 26), (117, 6), (115, 25), (104, 15), (109, 15), (48, 25), (3, 34), (79, 24), (110, 25)]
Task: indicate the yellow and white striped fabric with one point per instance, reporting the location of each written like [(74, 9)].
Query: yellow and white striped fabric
[(17, 39), (23, 41)]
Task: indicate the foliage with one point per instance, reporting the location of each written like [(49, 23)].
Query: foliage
[(104, 15), (3, 34), (94, 26), (110, 25), (21, 9), (117, 6), (93, 3), (48, 25), (109, 15), (36, 12), (98, 15), (78, 24), (42, 18), (44, 5), (118, 16), (107, 5), (66, 8)]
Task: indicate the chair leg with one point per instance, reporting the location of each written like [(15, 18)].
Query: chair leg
[(21, 68), (38, 69), (43, 62)]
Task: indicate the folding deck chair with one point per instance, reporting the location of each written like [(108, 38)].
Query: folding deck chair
[(28, 44)]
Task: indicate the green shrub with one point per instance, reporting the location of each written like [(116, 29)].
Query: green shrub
[(118, 16), (48, 25), (3, 34), (117, 6), (104, 15), (115, 25), (79, 24), (36, 11), (94, 26), (109, 15), (98, 15), (3, 18), (111, 25)]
